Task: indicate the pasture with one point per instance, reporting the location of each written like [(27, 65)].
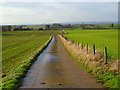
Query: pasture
[(101, 38)]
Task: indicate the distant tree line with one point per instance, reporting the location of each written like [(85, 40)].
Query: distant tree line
[(57, 26), (99, 26), (15, 28)]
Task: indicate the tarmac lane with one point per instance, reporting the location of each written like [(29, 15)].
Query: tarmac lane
[(54, 68)]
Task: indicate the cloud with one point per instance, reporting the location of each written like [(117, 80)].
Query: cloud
[(36, 13), (59, 1)]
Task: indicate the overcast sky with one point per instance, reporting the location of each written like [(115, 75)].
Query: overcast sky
[(51, 12)]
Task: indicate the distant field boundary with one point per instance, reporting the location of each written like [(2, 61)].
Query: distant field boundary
[(12, 84), (93, 62)]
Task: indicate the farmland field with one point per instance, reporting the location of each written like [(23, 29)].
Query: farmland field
[(101, 38), (18, 48)]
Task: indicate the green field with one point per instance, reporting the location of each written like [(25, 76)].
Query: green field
[(18, 50), (101, 38)]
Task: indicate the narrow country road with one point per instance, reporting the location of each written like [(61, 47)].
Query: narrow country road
[(54, 68)]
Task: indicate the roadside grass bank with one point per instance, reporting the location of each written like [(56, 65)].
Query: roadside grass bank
[(19, 55), (107, 74)]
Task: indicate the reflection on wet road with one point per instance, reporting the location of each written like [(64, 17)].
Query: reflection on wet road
[(54, 68)]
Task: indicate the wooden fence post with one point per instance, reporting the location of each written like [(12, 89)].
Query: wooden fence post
[(94, 49), (81, 45), (73, 42), (105, 52), (87, 48), (78, 43)]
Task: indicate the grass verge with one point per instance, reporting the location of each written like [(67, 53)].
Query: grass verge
[(109, 79)]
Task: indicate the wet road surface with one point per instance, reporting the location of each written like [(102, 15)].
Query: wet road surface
[(54, 68)]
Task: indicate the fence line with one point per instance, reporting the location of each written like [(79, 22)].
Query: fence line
[(87, 49)]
